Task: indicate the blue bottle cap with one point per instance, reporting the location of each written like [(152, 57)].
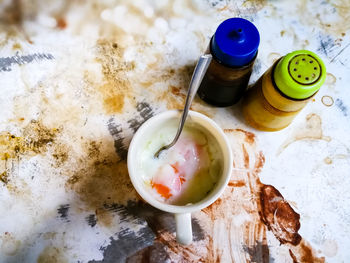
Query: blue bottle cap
[(235, 42)]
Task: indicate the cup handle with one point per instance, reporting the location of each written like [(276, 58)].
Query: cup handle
[(183, 228)]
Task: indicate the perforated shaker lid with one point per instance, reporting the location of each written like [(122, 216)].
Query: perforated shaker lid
[(300, 74), (235, 42)]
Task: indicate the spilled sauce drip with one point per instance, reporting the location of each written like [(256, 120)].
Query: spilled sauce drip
[(236, 225), (310, 130), (279, 216)]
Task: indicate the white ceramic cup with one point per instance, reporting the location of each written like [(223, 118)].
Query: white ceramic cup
[(182, 213)]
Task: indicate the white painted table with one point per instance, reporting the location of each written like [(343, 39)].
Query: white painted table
[(76, 81)]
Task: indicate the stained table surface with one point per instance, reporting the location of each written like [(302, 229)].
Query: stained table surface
[(78, 78)]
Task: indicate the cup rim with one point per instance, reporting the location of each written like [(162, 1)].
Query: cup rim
[(146, 195)]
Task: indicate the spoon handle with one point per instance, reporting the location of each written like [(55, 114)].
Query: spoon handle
[(196, 80)]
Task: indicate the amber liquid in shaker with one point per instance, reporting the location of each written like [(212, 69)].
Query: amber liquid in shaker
[(283, 91), (267, 109)]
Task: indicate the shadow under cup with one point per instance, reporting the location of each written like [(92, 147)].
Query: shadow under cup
[(146, 133)]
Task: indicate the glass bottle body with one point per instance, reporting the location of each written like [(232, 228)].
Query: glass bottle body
[(266, 108), (223, 85)]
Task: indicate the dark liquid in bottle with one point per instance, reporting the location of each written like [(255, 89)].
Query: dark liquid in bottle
[(223, 85)]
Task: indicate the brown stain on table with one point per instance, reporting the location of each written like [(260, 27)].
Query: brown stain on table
[(52, 126), (273, 57), (116, 87), (330, 79), (310, 130), (190, 253), (262, 207), (9, 245), (4, 177), (241, 198), (279, 216), (245, 156), (327, 101), (247, 7), (328, 160), (61, 23), (304, 253), (93, 170), (337, 26), (249, 136), (239, 183), (343, 9), (34, 140), (11, 21), (293, 256), (51, 254), (307, 254), (101, 179), (176, 91), (174, 95), (104, 217), (253, 6), (12, 13), (16, 46), (60, 155)]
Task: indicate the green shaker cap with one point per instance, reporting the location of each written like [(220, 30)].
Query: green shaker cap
[(300, 74)]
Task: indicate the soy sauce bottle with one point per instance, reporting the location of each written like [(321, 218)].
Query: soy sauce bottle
[(283, 91), (234, 48)]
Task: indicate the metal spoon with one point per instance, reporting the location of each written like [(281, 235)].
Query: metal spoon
[(197, 77)]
